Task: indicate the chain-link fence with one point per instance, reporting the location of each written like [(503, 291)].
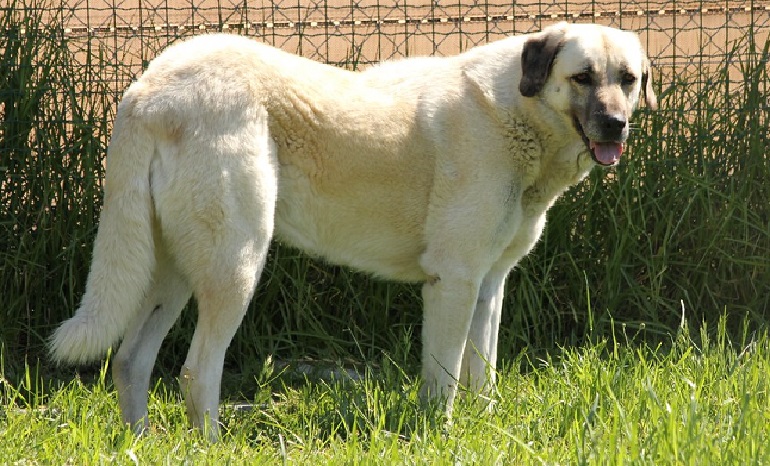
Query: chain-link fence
[(686, 36)]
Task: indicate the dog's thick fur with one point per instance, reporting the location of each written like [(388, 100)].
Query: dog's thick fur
[(436, 170)]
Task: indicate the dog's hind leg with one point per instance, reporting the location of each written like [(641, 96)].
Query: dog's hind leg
[(223, 289), (134, 361), (221, 307), (221, 237)]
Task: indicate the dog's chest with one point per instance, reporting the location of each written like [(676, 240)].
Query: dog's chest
[(548, 182), (558, 167)]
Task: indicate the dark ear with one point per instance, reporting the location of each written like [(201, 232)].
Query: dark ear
[(649, 95), (537, 59)]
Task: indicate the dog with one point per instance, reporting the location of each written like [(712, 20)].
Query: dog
[(431, 170)]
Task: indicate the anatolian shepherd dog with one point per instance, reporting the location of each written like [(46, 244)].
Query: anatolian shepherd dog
[(432, 170)]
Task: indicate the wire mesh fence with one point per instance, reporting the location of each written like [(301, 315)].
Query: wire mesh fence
[(121, 36)]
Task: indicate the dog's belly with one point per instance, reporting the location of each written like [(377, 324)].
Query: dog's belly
[(355, 176), (370, 227)]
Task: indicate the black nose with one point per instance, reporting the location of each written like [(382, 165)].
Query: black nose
[(612, 126)]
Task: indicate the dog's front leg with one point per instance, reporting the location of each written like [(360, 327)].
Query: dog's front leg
[(480, 357), (449, 300)]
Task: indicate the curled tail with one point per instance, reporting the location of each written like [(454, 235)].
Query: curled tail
[(124, 252)]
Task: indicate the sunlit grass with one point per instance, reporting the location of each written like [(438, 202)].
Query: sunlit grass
[(703, 400)]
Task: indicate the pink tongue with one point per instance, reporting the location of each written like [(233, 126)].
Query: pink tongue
[(607, 153)]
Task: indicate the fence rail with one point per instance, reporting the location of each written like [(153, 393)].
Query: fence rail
[(331, 22)]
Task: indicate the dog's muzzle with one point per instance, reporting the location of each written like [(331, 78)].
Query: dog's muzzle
[(607, 149)]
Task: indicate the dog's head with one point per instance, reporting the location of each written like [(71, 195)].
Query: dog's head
[(592, 76)]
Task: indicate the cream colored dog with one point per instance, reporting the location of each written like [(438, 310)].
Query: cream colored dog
[(433, 170)]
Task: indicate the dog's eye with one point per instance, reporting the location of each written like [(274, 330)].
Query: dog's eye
[(583, 79), (627, 79)]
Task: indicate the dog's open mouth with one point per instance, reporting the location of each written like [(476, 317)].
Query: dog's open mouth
[(605, 153)]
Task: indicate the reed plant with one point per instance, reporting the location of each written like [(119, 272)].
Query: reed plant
[(54, 115)]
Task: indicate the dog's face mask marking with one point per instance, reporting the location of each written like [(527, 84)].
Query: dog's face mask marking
[(593, 79)]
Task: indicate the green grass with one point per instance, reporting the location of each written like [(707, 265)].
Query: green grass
[(698, 400)]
